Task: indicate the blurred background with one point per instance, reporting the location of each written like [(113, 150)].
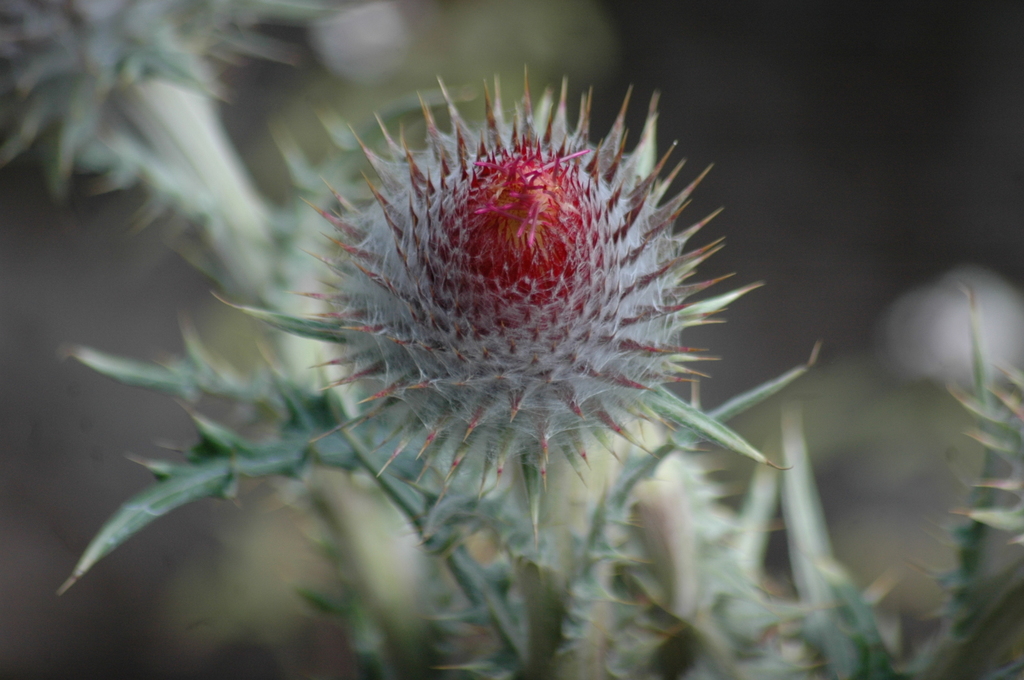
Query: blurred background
[(870, 159)]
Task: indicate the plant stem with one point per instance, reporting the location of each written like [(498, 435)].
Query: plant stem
[(467, 573), (197, 169), (183, 127)]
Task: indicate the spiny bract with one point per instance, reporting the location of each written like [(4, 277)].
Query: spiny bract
[(516, 287)]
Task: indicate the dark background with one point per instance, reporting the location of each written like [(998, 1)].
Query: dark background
[(860, 149)]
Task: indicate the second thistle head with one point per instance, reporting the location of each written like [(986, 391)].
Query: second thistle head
[(515, 287)]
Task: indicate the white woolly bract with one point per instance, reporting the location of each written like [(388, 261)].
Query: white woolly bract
[(506, 356)]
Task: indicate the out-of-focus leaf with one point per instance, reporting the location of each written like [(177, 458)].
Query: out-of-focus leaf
[(215, 440), (994, 628), (544, 610), (984, 409), (329, 331), (809, 545), (1011, 520), (859, 623), (534, 493), (640, 467), (840, 624), (1011, 671), (482, 591), (323, 602), (758, 510), (969, 538), (137, 373), (1008, 447), (185, 378)]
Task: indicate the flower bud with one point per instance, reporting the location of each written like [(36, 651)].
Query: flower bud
[(516, 287)]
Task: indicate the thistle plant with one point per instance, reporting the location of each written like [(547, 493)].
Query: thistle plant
[(502, 316), (524, 299)]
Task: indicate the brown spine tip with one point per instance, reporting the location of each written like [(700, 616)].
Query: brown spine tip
[(613, 167), (560, 112), (652, 108), (493, 130), (620, 120), (474, 421), (815, 351), (401, 447), (697, 226), (395, 149), (453, 111), (428, 117), (583, 125), (550, 125), (685, 193), (344, 202), (386, 392), (639, 195), (431, 436), (515, 401), (527, 102), (463, 153), (415, 174), (339, 223)]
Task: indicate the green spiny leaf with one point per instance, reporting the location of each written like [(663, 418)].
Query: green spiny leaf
[(742, 402), (226, 456), (674, 408), (288, 456), (137, 373), (446, 511), (215, 440), (719, 302), (190, 483), (329, 331)]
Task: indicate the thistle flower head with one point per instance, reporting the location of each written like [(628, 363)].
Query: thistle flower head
[(516, 287)]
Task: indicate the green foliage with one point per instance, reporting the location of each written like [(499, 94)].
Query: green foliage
[(220, 456), (548, 620)]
